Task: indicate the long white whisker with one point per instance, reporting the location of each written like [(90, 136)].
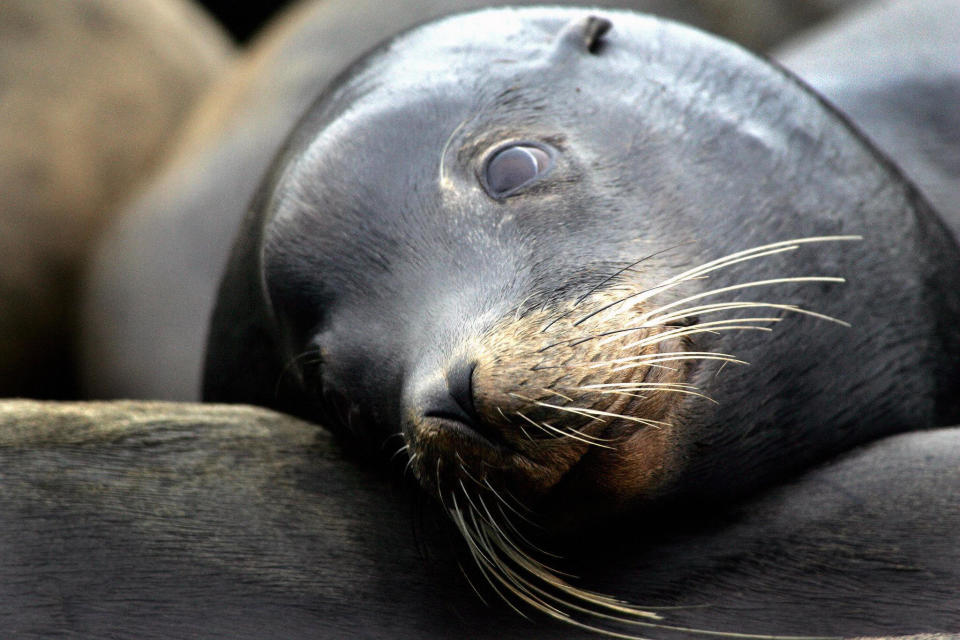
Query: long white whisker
[(731, 324), (637, 395), (571, 433), (721, 263), (595, 440), (715, 307), (597, 412), (737, 287), (658, 357), (486, 565), (755, 253), (546, 427), (635, 365), (639, 385)]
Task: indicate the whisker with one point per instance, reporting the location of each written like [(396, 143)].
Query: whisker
[(527, 542), (611, 305), (489, 519), (619, 612), (715, 307), (576, 410), (655, 321), (507, 567), (744, 285), (609, 278), (636, 395), (685, 385), (657, 357), (290, 364), (549, 577), (399, 451), (463, 468), (635, 365), (546, 428), (439, 492), (597, 412), (721, 263), (515, 569), (703, 327), (473, 587), (505, 503), (409, 464), (558, 394), (506, 539), (627, 268), (572, 433), (762, 251), (485, 565)]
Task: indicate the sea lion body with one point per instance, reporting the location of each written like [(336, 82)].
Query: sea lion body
[(536, 263), (550, 311), (186, 521), (382, 284)]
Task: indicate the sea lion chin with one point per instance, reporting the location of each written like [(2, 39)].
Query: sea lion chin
[(577, 264)]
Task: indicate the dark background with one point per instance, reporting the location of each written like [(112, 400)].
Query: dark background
[(243, 19)]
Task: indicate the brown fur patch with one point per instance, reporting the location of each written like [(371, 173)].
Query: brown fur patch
[(562, 386)]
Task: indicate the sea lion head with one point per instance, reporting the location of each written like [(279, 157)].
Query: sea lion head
[(582, 261)]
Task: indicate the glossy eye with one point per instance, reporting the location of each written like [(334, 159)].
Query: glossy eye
[(513, 167)]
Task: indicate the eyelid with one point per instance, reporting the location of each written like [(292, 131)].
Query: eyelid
[(522, 156)]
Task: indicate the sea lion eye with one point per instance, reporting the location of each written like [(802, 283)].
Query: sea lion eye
[(513, 167)]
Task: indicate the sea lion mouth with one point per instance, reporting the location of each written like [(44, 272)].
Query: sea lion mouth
[(472, 432)]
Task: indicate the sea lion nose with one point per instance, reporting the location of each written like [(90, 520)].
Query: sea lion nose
[(460, 384), (452, 398)]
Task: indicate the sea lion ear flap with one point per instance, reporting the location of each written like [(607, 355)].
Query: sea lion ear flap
[(582, 35)]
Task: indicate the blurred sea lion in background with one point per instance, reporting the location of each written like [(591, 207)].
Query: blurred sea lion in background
[(90, 92)]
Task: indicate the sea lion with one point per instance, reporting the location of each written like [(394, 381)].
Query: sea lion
[(201, 521), (89, 92), (536, 260)]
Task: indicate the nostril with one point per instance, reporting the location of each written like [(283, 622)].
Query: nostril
[(451, 398), (460, 384), (455, 399)]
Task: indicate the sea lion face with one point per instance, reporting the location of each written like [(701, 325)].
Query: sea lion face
[(545, 253)]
